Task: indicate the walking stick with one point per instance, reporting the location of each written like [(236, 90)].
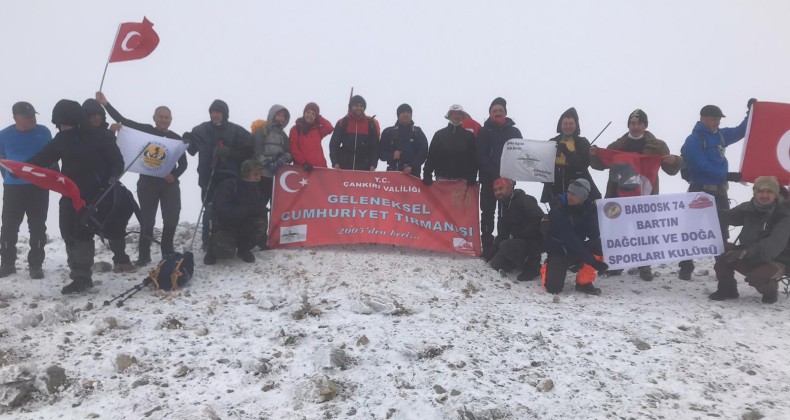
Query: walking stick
[(599, 134), (128, 294)]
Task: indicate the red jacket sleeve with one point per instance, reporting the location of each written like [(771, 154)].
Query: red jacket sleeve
[(296, 150)]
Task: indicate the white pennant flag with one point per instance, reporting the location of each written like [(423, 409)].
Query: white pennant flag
[(528, 160), (157, 155)]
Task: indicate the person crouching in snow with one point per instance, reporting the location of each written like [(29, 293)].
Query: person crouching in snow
[(762, 254), (519, 243), (239, 216), (573, 240)]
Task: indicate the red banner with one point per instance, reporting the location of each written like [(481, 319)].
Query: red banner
[(766, 149), (45, 178), (635, 174), (330, 206), (134, 41)]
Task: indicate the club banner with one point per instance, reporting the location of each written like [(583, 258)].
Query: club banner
[(159, 154), (638, 231), (328, 206), (528, 160), (766, 148)]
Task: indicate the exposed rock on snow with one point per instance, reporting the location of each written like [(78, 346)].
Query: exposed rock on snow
[(124, 362), (55, 379)]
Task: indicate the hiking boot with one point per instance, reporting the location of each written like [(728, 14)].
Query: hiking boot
[(36, 273), (528, 275), (646, 273), (246, 256), (77, 286), (719, 295), (588, 289), (502, 272), (685, 273), (770, 297), (209, 259), (143, 260), (7, 270), (124, 268)]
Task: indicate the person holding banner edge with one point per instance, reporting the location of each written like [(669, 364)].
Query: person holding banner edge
[(151, 190), (762, 254), (705, 163)]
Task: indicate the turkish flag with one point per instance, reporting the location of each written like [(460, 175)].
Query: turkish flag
[(45, 178), (134, 41), (635, 174), (766, 148)]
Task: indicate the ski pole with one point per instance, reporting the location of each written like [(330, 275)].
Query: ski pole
[(599, 134)]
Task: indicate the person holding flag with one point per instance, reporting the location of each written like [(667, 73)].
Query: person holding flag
[(154, 191), (630, 174), (83, 153), (18, 142)]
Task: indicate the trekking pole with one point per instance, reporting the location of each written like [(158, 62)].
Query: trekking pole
[(599, 134), (214, 161), (117, 180), (128, 294)]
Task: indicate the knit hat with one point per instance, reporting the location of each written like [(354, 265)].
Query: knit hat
[(357, 99), (403, 108), (507, 182), (66, 112), (312, 106), (248, 166), (639, 115), (220, 106), (580, 188), (498, 101), (711, 111), (570, 113), (458, 108), (766, 183)]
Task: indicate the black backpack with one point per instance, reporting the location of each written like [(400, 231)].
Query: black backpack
[(109, 216), (174, 271)]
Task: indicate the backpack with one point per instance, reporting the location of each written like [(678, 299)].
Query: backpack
[(684, 169), (109, 216), (174, 271)]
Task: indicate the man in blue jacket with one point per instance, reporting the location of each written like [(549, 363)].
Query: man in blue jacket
[(706, 163), (19, 142), (404, 146)]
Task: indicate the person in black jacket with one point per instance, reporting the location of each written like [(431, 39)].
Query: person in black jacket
[(222, 146), (355, 142), (239, 216), (491, 139), (152, 190), (519, 242), (573, 158), (84, 154), (404, 146), (452, 152)]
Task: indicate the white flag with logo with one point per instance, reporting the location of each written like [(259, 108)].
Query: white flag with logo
[(528, 160), (156, 156)]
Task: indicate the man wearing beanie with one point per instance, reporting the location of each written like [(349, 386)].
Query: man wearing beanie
[(404, 146), (19, 142), (221, 147), (573, 240), (572, 160), (519, 243), (239, 220), (638, 140), (306, 136), (451, 155), (762, 254), (496, 130), (705, 163), (355, 143)]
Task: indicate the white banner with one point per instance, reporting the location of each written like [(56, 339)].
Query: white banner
[(528, 160), (638, 231), (159, 154)]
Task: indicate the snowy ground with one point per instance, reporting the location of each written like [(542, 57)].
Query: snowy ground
[(375, 332)]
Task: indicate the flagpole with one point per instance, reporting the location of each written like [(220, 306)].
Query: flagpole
[(599, 134), (114, 40)]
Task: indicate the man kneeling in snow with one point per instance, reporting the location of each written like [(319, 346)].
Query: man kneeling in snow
[(573, 240), (239, 216), (763, 253), (519, 243)]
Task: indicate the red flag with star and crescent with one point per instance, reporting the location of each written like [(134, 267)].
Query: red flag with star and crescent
[(134, 41), (635, 174), (766, 148), (45, 178)]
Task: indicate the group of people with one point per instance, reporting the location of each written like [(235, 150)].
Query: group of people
[(236, 168)]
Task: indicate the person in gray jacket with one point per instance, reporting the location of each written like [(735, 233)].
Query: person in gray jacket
[(762, 254)]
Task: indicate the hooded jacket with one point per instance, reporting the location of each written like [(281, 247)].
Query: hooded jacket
[(490, 141), (570, 226), (765, 234), (451, 154), (709, 166), (306, 141), (270, 142), (412, 144), (519, 218), (355, 143)]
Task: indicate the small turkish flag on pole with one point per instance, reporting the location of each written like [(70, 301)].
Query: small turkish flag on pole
[(132, 42)]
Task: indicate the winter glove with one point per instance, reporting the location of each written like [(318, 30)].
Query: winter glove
[(732, 256), (188, 137), (222, 152), (600, 266), (112, 180), (733, 177), (576, 267), (471, 181), (307, 167), (750, 103), (427, 181)]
